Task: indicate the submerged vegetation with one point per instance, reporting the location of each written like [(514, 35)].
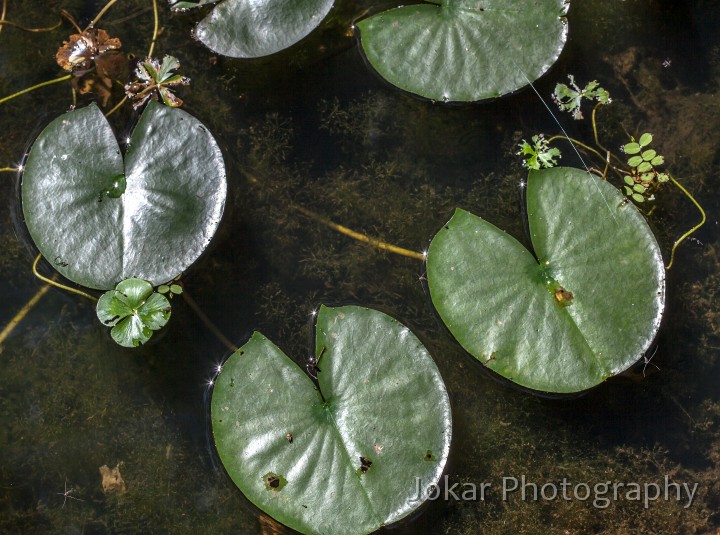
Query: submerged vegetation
[(393, 168)]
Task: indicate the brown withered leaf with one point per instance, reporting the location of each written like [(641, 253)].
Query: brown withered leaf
[(112, 481), (81, 51)]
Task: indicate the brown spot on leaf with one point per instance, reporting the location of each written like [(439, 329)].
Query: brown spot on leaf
[(365, 465), (563, 297)]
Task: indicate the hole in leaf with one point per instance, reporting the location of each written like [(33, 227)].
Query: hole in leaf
[(365, 465), (274, 481)]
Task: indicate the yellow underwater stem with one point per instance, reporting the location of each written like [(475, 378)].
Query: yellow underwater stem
[(100, 15), (155, 29), (692, 230), (209, 324), (358, 236), (57, 284), (4, 22), (34, 87), (22, 313)]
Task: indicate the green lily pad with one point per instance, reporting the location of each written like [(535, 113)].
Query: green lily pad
[(586, 307), (465, 50), (133, 311), (346, 457), (100, 220), (255, 28), (180, 5)]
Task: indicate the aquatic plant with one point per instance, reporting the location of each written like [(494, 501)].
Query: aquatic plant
[(644, 176), (242, 29), (640, 175), (360, 449), (465, 50), (100, 218), (154, 81), (569, 98), (539, 154), (584, 307), (134, 311)]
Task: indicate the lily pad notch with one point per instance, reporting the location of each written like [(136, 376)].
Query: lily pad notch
[(465, 50), (100, 218), (585, 307), (347, 454)]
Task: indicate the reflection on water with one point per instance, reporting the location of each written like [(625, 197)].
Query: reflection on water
[(316, 127)]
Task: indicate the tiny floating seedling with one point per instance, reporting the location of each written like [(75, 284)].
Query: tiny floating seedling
[(361, 436), (243, 29), (586, 306), (465, 50), (134, 311)]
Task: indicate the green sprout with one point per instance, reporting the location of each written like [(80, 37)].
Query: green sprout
[(539, 154), (171, 290), (134, 311), (155, 80), (569, 98), (644, 178)]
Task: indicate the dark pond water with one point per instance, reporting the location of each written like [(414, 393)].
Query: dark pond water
[(314, 126)]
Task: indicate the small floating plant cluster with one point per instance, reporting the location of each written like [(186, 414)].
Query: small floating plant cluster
[(560, 319)]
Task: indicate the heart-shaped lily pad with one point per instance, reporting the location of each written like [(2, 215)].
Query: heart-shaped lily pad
[(359, 452), (133, 311), (100, 220), (255, 28), (586, 307), (465, 50)]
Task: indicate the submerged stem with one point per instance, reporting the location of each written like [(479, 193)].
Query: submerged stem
[(580, 143), (348, 232), (116, 107), (10, 327), (100, 15), (34, 87), (57, 284), (155, 29), (4, 22), (357, 235), (209, 324), (692, 230), (2, 15)]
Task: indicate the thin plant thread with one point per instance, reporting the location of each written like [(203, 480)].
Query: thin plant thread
[(209, 324), (57, 284), (155, 29), (100, 15), (358, 236), (4, 22), (2, 15), (116, 107), (10, 327), (689, 232), (34, 87), (345, 230)]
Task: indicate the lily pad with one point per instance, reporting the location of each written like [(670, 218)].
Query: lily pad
[(465, 50), (585, 307), (349, 455), (255, 28), (133, 311), (100, 220)]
